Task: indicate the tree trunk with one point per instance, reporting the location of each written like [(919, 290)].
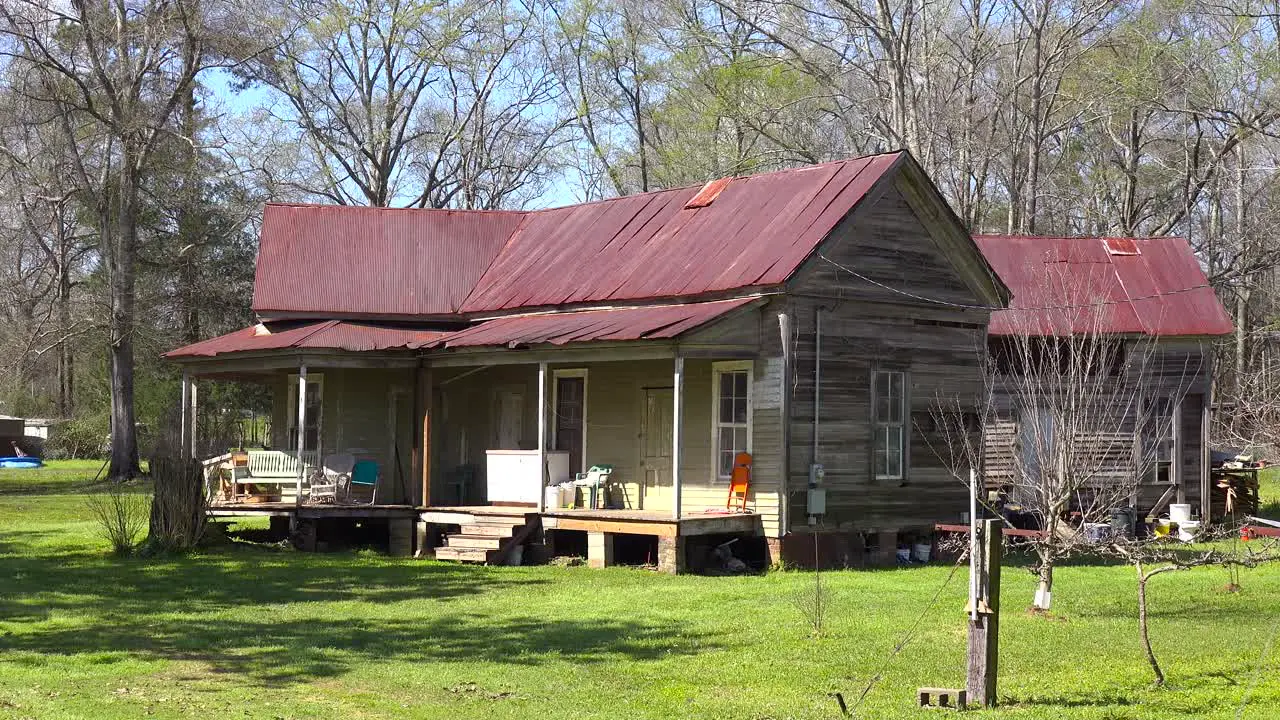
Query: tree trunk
[(1143, 629), (1044, 590), (122, 248)]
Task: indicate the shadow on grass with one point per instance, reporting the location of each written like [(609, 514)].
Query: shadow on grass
[(274, 618)]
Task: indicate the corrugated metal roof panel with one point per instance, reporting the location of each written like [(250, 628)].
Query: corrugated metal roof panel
[(1151, 286), (635, 323), (344, 260), (327, 335)]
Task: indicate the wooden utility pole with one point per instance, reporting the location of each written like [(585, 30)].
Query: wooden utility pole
[(984, 624)]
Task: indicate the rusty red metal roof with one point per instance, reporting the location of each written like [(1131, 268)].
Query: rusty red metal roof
[(1062, 285), (733, 233), (327, 335), (754, 232), (348, 261), (648, 322)]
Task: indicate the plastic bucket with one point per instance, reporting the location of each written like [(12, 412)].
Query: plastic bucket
[(1179, 512), (1188, 530), (1096, 532), (920, 552), (904, 556)]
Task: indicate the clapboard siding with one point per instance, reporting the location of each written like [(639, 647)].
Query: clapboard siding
[(865, 327), (1174, 369), (615, 407), (356, 419)]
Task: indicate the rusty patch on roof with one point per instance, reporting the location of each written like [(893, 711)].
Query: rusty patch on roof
[(708, 193)]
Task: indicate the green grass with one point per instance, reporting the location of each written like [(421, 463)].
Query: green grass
[(1269, 493), (253, 632)]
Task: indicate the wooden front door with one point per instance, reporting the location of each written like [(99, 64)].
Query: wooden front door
[(655, 441)]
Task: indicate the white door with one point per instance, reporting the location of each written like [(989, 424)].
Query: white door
[(655, 460)]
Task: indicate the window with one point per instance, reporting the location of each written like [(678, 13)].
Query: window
[(888, 390), (315, 410), (731, 412)]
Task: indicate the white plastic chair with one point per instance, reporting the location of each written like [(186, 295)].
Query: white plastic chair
[(334, 477)]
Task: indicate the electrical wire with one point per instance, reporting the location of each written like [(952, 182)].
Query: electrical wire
[(966, 306), (909, 635)]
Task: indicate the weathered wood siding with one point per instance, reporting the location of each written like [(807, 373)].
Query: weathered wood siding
[(1175, 369), (357, 419), (866, 327)]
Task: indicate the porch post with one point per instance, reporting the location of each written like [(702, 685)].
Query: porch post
[(542, 436), (677, 409), (425, 398), (195, 406), (184, 439), (302, 424)]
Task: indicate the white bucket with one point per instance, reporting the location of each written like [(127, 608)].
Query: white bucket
[(1179, 513), (1188, 530), (920, 552), (552, 497), (904, 556)]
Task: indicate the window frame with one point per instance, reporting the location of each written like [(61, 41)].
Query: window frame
[(904, 424), (291, 412), (717, 369), (556, 374)]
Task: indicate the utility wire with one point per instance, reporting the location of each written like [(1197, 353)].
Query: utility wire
[(965, 306)]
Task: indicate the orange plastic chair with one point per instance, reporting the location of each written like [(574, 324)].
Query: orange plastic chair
[(739, 480)]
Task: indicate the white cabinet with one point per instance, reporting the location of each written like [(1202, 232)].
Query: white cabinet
[(512, 475)]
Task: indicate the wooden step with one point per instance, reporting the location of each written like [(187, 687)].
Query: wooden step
[(477, 542), (512, 520), (498, 531), (462, 554)]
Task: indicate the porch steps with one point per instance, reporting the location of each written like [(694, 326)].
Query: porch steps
[(485, 535)]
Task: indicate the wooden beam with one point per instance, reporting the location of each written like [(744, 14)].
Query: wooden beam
[(302, 424), (632, 527), (984, 632), (677, 430), (425, 400), (1175, 463)]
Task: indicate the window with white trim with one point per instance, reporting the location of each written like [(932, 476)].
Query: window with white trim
[(888, 442), (730, 413), (315, 412)]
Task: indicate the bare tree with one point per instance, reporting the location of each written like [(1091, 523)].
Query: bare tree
[(410, 102), (111, 76), (1076, 420)]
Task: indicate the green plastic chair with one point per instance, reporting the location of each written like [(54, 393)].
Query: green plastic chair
[(595, 478), (365, 473)]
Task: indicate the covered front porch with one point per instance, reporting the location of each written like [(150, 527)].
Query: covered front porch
[(487, 433)]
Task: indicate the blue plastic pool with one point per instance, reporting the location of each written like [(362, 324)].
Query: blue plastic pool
[(15, 463)]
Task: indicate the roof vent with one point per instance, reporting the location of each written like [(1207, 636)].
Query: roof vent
[(708, 193), (1120, 246)]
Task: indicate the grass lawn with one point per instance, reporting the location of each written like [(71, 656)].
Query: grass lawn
[(255, 632)]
